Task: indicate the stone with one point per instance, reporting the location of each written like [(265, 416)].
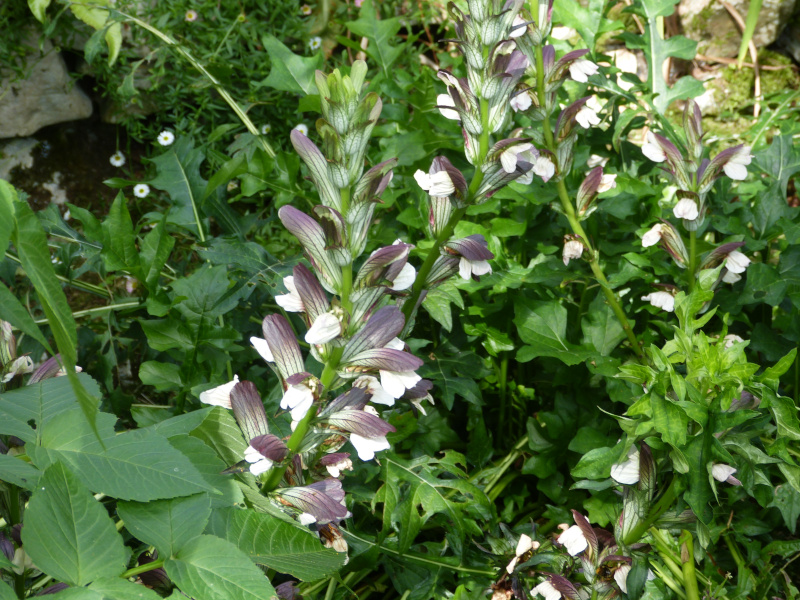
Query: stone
[(46, 96), (712, 27)]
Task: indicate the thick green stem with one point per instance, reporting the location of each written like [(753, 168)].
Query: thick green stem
[(692, 258), (658, 509), (156, 564), (574, 222), (687, 563)]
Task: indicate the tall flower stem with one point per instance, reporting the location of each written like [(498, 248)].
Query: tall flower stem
[(574, 222), (687, 564), (692, 258), (658, 509)]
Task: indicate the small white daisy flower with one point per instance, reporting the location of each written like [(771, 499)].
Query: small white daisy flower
[(140, 190), (305, 10), (117, 159), (165, 138), (190, 16), (315, 43), (302, 128), (266, 128)]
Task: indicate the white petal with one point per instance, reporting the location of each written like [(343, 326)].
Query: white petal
[(446, 100), (524, 544), (261, 346), (521, 102), (465, 269), (481, 267), (663, 300), (607, 182), (405, 278), (441, 184), (627, 472), (220, 395), (735, 171), (423, 179), (397, 382), (509, 160), (546, 590), (252, 455), (396, 344), (686, 208), (518, 22), (261, 466), (721, 472), (573, 540), (621, 577), (731, 277), (325, 328), (306, 519), (367, 447), (652, 237), (301, 409), (510, 566), (333, 471), (652, 150), (736, 262), (296, 395), (290, 302), (544, 168)]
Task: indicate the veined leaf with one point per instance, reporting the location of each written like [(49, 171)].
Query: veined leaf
[(290, 72), (380, 33), (543, 325), (17, 471)]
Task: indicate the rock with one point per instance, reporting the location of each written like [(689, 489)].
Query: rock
[(47, 96), (789, 41), (708, 23), (16, 153)]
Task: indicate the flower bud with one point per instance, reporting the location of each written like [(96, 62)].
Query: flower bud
[(573, 248)]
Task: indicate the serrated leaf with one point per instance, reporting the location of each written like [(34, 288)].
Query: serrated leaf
[(380, 33), (285, 547), (210, 568), (68, 534), (166, 524), (290, 72), (136, 465), (543, 325)]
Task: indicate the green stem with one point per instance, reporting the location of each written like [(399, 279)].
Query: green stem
[(692, 258), (331, 589), (99, 309), (574, 222), (658, 509), (668, 580), (687, 560), (76, 283), (156, 564), (15, 514)]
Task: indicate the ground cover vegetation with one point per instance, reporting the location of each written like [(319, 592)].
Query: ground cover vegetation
[(416, 301)]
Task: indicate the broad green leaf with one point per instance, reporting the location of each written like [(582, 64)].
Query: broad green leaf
[(178, 174), (210, 568), (115, 588), (166, 334), (290, 72), (17, 471), (764, 285), (68, 534), (38, 8), (787, 500), (16, 314), (211, 467), (596, 464), (220, 431), (601, 328), (380, 33), (276, 544), (136, 465), (543, 325), (669, 420), (40, 403), (155, 250), (8, 197), (437, 303), (162, 376), (119, 244), (166, 524), (584, 19), (784, 411)]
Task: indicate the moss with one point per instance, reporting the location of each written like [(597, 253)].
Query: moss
[(735, 88)]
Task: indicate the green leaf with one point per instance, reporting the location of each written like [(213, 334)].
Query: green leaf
[(40, 403), (178, 174), (38, 8), (437, 303), (211, 467), (119, 241), (764, 284), (210, 568), (220, 431), (279, 545), (166, 524), (787, 500), (596, 464), (8, 197), (136, 465), (17, 471), (669, 420), (68, 534), (162, 376), (155, 250), (785, 413), (290, 72), (543, 325), (6, 593), (380, 33), (166, 334), (16, 314), (601, 328), (115, 588), (584, 19)]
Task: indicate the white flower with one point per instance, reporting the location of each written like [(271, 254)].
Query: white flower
[(587, 117), (290, 302), (258, 462), (261, 346), (686, 208), (305, 10), (467, 268), (546, 590), (663, 300), (396, 344), (512, 155), (573, 540), (731, 277), (298, 399), (573, 249), (117, 159), (736, 262), (165, 138), (581, 69), (525, 544), (544, 168), (652, 237), (190, 16), (20, 366), (21, 561), (724, 473), (595, 160), (61, 372), (395, 383), (232, 185), (444, 100), (627, 472), (521, 101), (439, 184), (417, 402), (518, 27), (306, 519), (367, 447), (735, 168), (220, 395), (405, 278), (325, 328), (315, 43), (607, 182), (343, 465), (140, 190), (621, 577), (266, 128), (561, 32), (652, 150), (302, 128), (732, 339)]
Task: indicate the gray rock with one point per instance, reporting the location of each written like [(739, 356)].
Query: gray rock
[(708, 23), (46, 96)]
